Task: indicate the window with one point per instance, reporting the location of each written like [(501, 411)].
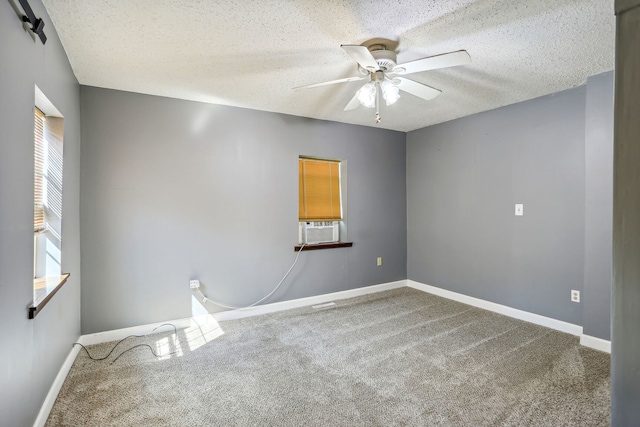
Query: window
[(320, 204), (47, 194), (319, 188), (48, 132)]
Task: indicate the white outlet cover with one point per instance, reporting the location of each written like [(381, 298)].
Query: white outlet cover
[(575, 296), (519, 209)]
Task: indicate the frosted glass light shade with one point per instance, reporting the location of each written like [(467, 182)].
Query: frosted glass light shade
[(367, 95), (390, 92)]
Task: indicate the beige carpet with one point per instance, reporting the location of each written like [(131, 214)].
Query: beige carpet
[(396, 358)]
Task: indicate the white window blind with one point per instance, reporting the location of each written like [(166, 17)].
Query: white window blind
[(47, 189), (39, 157)]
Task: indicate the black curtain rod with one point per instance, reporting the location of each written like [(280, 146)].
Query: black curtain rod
[(37, 24)]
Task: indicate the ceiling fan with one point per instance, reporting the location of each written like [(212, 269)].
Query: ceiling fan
[(379, 66)]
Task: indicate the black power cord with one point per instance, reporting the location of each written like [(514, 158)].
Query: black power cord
[(175, 331)]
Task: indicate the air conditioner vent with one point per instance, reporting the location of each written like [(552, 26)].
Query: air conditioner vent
[(319, 232)]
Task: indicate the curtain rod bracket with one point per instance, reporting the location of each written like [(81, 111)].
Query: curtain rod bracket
[(37, 24)]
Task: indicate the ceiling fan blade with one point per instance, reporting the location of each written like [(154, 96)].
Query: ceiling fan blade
[(353, 104), (418, 89), (433, 62), (362, 56), (332, 82)]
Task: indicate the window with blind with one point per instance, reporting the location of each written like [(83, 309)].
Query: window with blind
[(48, 136), (47, 193), (319, 190)]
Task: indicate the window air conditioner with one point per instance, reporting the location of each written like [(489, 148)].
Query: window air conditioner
[(319, 232)]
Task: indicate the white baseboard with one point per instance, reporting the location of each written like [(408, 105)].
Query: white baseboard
[(549, 322), (559, 325), (595, 343), (118, 334), (45, 409), (586, 340), (308, 301)]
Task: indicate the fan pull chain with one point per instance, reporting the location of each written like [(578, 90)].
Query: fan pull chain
[(378, 118)]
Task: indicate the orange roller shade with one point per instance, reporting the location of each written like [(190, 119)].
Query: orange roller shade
[(319, 190)]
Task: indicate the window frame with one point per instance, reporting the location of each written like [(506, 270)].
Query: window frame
[(323, 203), (342, 186), (48, 158)]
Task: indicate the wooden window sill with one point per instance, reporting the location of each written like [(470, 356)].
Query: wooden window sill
[(44, 288), (315, 246)]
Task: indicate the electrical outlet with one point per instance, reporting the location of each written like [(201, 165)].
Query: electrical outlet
[(194, 284), (379, 261), (575, 296)]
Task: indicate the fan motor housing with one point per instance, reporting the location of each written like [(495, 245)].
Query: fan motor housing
[(386, 59)]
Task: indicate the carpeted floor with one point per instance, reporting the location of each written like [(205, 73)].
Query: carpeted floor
[(396, 358)]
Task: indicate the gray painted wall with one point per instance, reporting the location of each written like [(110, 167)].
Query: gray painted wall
[(162, 185), (598, 206), (33, 350), (174, 190), (463, 179)]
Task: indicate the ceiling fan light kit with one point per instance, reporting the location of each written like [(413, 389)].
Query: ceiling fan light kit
[(390, 92), (380, 67), (367, 95)]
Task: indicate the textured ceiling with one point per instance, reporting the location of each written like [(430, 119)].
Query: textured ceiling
[(250, 54)]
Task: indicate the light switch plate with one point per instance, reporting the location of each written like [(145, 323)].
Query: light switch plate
[(519, 209)]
